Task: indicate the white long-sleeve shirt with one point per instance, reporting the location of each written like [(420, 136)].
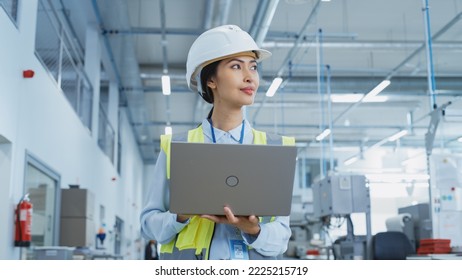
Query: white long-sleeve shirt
[(159, 224)]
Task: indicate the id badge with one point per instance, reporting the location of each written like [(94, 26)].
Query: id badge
[(238, 250)]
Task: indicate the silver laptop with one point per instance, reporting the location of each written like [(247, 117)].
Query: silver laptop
[(250, 179)]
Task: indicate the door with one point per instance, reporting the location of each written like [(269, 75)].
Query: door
[(42, 185)]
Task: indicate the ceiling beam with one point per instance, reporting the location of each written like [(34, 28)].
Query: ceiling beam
[(406, 60)]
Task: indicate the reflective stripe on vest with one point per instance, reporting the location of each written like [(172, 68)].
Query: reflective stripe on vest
[(193, 242)]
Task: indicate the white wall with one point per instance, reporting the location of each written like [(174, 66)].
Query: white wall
[(5, 185), (36, 117)]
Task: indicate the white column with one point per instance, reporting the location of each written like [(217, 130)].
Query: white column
[(93, 70), (27, 22), (113, 107), (113, 115)]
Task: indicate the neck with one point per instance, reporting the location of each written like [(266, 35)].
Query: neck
[(227, 120)]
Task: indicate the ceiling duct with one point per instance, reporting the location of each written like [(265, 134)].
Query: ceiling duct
[(262, 28), (112, 15)]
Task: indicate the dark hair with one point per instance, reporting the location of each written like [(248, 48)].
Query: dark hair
[(208, 72)]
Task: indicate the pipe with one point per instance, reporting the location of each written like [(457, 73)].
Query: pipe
[(257, 17), (118, 77), (331, 124), (155, 31), (319, 76), (410, 122), (406, 60), (273, 35), (221, 17), (107, 45), (429, 54), (266, 21), (422, 46), (294, 126), (361, 45), (209, 7), (164, 37), (164, 54), (292, 51)]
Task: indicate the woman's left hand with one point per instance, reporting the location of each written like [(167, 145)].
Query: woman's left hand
[(247, 224)]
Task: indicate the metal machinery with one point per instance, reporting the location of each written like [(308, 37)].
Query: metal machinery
[(305, 228), (340, 196), (419, 225)]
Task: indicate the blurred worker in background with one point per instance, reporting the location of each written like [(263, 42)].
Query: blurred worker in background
[(222, 67), (150, 251)]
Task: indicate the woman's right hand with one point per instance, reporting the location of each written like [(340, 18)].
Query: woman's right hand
[(182, 218)]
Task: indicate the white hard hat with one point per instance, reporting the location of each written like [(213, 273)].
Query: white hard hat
[(216, 43)]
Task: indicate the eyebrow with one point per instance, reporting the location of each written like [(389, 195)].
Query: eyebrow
[(241, 61)]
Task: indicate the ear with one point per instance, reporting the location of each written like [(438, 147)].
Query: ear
[(211, 84)]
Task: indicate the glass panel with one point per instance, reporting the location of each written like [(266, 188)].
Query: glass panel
[(63, 58), (105, 134), (119, 156), (11, 8), (69, 80), (104, 96), (47, 42), (42, 192), (86, 101)]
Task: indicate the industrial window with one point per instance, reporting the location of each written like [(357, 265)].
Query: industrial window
[(11, 8), (106, 134), (56, 48)]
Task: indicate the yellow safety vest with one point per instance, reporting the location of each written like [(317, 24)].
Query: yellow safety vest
[(193, 242)]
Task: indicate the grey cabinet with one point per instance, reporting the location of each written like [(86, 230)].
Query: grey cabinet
[(77, 218)]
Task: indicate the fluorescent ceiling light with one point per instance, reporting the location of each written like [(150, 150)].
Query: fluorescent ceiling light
[(166, 85), (274, 86), (168, 130), (459, 139), (355, 97), (323, 134), (377, 90), (398, 135), (376, 99), (350, 161)]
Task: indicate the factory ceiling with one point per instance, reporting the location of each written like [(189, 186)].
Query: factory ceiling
[(334, 48)]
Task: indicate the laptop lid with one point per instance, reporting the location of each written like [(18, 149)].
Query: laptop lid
[(250, 179)]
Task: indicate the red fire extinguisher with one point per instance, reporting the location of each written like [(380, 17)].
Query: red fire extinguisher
[(23, 222)]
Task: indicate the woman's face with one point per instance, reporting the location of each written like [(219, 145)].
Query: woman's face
[(236, 81)]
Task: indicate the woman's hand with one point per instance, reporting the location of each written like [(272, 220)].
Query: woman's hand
[(182, 218), (247, 224)]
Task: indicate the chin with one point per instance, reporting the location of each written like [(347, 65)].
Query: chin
[(249, 101)]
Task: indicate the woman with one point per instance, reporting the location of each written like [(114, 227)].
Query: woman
[(222, 67)]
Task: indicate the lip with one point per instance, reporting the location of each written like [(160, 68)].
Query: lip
[(248, 90)]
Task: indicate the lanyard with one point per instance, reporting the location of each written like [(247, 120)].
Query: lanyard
[(241, 138)]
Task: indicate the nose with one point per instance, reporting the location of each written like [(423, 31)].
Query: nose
[(250, 76)]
